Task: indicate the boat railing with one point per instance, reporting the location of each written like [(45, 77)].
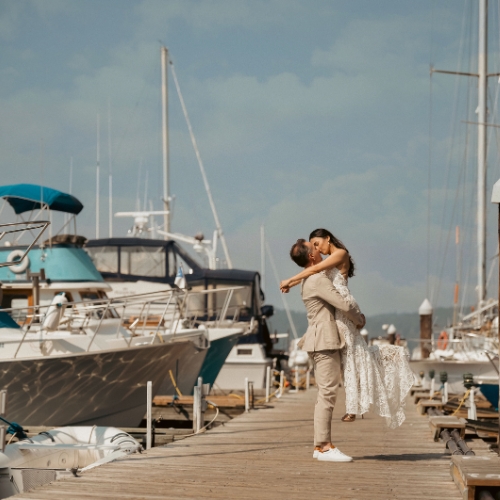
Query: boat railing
[(149, 315), (470, 347), (22, 227)]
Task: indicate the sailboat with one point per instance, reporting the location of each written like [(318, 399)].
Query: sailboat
[(470, 345), (142, 262)]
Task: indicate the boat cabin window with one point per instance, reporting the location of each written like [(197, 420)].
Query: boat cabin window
[(91, 295), (241, 299), (15, 299), (105, 258), (244, 352), (143, 261), (211, 305)]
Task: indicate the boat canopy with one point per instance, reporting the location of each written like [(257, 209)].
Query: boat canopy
[(26, 197)]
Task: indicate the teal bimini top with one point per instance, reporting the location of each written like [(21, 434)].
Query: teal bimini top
[(26, 197), (61, 263)]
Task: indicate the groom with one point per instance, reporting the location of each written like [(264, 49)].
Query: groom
[(323, 342)]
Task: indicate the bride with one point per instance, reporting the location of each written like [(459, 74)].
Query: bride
[(373, 375)]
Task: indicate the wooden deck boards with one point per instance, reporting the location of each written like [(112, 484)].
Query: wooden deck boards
[(267, 454)]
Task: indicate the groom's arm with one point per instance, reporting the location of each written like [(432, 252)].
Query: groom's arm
[(324, 289)]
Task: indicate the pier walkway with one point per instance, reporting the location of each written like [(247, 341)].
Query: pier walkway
[(267, 454)]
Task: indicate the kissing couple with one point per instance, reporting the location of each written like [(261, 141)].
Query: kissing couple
[(378, 376)]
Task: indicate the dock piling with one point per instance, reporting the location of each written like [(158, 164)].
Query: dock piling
[(268, 383), (247, 396), (308, 378), (3, 402), (282, 383), (198, 405), (472, 413)]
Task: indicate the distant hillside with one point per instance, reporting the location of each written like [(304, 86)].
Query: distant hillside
[(407, 324)]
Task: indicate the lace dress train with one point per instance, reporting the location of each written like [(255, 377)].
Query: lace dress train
[(373, 375)]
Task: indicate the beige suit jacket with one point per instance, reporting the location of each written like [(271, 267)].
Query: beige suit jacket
[(321, 299)]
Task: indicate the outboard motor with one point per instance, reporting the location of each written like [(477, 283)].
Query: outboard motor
[(55, 312)]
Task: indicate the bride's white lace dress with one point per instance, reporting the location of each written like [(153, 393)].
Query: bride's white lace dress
[(373, 375)]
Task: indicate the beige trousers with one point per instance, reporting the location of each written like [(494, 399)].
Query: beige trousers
[(327, 373)]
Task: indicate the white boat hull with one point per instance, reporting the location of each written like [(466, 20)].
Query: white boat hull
[(455, 371), (244, 361)]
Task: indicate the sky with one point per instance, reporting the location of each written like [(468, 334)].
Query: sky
[(306, 114)]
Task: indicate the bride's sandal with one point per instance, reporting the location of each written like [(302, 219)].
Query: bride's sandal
[(348, 417)]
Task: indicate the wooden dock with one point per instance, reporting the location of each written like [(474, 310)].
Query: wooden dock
[(267, 454)]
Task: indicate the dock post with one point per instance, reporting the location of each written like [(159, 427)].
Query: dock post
[(425, 312), (268, 382), (3, 411), (198, 406), (308, 378), (3, 402), (297, 379), (472, 413), (247, 396), (195, 406), (3, 432), (445, 392), (433, 385), (282, 382), (149, 391)]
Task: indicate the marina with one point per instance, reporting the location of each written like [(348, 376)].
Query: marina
[(267, 453), (143, 354)]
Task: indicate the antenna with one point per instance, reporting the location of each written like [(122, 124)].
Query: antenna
[(203, 173), (285, 303), (164, 115), (97, 183), (66, 216), (262, 258), (110, 183)]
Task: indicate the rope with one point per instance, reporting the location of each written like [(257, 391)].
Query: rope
[(466, 395), (210, 405), (179, 393)]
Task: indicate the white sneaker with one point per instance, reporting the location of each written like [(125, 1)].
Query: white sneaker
[(332, 455), (316, 453)]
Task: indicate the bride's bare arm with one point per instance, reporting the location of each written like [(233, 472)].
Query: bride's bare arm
[(333, 260)]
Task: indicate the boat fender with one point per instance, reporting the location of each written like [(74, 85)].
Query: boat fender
[(22, 266), (55, 312), (442, 342)]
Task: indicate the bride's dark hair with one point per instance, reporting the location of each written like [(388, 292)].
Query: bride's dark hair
[(324, 233)]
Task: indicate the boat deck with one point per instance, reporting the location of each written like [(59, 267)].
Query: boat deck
[(267, 454)]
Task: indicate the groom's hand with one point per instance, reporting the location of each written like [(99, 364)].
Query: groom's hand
[(285, 286)]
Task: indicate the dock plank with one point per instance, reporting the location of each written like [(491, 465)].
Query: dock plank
[(267, 454)]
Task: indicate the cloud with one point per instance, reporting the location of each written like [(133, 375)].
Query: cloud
[(295, 130), (218, 14)]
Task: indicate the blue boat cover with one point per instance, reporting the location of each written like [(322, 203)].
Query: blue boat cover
[(26, 197), (6, 321)]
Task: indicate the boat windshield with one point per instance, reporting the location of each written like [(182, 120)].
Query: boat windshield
[(143, 261), (105, 258)]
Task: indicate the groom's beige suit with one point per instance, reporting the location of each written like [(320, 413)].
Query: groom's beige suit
[(323, 342)]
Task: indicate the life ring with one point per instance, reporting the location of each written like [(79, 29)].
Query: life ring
[(14, 256), (442, 342)]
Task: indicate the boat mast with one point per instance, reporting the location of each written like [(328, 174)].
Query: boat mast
[(164, 99), (481, 151), (262, 258), (97, 187), (110, 175)]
